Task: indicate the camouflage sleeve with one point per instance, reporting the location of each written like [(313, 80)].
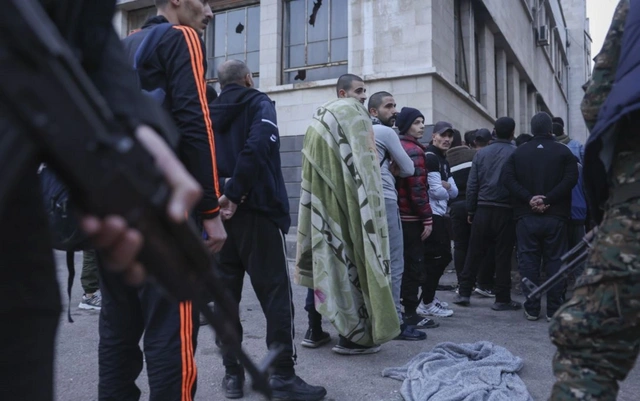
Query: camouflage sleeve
[(604, 69)]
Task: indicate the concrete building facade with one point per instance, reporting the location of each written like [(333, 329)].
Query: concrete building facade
[(463, 61)]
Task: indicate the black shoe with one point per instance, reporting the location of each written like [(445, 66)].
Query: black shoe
[(461, 300), (293, 388), (502, 306), (419, 322), (531, 316), (346, 347), (315, 338), (232, 385), (408, 333)]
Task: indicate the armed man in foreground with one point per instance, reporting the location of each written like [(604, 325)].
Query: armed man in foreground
[(598, 331), (30, 307)]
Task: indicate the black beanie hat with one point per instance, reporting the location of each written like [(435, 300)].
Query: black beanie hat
[(541, 124), (405, 119), (558, 129)]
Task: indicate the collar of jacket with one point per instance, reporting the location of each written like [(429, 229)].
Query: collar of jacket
[(500, 140), (376, 121), (433, 148), (564, 138), (409, 138)]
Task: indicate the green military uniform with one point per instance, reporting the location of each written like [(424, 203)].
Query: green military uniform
[(598, 331), (89, 276)]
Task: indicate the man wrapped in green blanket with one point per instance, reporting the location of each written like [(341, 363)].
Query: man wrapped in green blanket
[(343, 244)]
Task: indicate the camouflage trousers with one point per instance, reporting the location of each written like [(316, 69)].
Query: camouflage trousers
[(597, 332)]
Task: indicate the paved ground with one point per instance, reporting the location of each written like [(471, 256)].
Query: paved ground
[(346, 378)]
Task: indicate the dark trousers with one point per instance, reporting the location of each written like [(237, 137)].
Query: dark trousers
[(493, 227), (315, 318), (461, 233), (256, 245), (89, 275), (437, 256), (170, 334), (29, 293), (575, 232), (541, 239), (414, 271)]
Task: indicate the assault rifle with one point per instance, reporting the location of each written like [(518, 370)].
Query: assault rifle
[(570, 261), (51, 109)]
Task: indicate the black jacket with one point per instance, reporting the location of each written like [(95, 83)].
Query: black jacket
[(178, 66), (484, 187), (248, 152), (541, 166)]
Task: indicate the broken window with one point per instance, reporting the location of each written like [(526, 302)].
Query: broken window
[(234, 35), (315, 40)]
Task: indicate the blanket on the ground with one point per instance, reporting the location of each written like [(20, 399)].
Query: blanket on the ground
[(455, 372), (343, 244)]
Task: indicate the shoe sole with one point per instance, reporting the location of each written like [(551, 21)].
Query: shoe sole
[(531, 318), (434, 315), (410, 338), (315, 344), (433, 326), (353, 351), (88, 307), (234, 396), (484, 294), (503, 309)]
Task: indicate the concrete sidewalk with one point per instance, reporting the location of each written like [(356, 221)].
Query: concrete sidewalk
[(355, 378)]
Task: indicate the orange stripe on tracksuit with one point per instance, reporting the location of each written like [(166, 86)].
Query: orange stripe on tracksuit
[(189, 370), (197, 64)]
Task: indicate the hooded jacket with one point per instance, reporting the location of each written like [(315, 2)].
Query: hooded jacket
[(248, 153)]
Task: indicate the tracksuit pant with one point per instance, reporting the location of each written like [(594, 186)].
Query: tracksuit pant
[(170, 331), (541, 239), (492, 227), (255, 245)]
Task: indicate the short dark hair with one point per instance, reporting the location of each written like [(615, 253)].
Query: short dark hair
[(232, 72), (504, 127), (346, 81), (470, 138), (558, 120), (523, 138), (376, 100), (457, 138), (161, 3)]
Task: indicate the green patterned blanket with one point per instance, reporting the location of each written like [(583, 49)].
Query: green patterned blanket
[(343, 244)]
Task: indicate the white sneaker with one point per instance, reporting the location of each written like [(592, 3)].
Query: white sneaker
[(94, 302), (442, 303), (422, 309), (436, 309)]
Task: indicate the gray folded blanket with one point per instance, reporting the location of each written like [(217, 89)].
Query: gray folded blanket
[(481, 371)]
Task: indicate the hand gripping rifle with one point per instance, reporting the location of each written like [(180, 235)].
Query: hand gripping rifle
[(570, 261), (51, 108)]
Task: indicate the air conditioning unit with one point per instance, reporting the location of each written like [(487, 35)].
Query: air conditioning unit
[(543, 35)]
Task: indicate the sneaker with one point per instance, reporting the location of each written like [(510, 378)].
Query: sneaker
[(419, 322), (293, 388), (408, 333), (436, 309), (443, 303), (462, 300), (502, 306), (549, 318), (315, 338), (233, 386), (94, 302), (530, 316), (346, 347), (423, 310), (484, 293)]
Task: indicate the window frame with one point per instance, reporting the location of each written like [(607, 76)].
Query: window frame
[(225, 7), (285, 48)]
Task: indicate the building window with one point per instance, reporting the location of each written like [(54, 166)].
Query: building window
[(234, 34), (137, 18), (315, 40), (462, 76)]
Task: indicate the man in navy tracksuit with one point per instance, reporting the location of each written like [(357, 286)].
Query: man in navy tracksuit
[(255, 207), (175, 66)]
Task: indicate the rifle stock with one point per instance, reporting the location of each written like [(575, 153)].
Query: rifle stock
[(55, 110)]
